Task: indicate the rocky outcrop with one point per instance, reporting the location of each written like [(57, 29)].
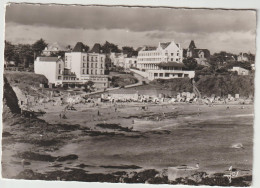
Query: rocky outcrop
[(10, 101)]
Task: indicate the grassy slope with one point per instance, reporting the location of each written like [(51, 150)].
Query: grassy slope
[(118, 80), (28, 82)]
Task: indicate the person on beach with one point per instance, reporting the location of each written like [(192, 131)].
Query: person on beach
[(199, 110)]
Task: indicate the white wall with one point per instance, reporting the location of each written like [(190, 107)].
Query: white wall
[(46, 68)]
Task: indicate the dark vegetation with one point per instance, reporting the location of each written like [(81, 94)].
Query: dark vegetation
[(23, 54), (176, 84), (122, 80), (220, 85)]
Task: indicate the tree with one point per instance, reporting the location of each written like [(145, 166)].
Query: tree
[(190, 63), (110, 47), (24, 54), (127, 49), (245, 65), (39, 46), (9, 51), (89, 86), (59, 53)]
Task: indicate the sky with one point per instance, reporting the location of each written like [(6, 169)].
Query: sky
[(214, 29)]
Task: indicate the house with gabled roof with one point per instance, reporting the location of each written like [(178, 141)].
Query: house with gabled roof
[(53, 48), (201, 55)]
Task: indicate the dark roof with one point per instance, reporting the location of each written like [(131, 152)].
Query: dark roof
[(206, 53), (139, 48), (192, 44), (49, 58), (171, 64), (96, 48), (165, 45), (131, 54), (149, 48), (79, 47)]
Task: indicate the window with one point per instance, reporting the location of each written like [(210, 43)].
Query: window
[(87, 71), (84, 58), (101, 59), (83, 71), (59, 65), (161, 74), (101, 72), (171, 54), (87, 65), (91, 71), (66, 58), (84, 65), (91, 65), (91, 58), (96, 58), (101, 65), (166, 53), (96, 65), (59, 77), (177, 54), (155, 74), (60, 71), (95, 71), (171, 59), (167, 74)]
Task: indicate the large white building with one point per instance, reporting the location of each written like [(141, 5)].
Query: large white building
[(78, 67), (150, 57), (162, 62), (87, 66), (51, 67)]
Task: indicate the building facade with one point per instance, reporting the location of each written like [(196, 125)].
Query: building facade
[(51, 67), (149, 57), (87, 66), (162, 62), (170, 70), (123, 60)]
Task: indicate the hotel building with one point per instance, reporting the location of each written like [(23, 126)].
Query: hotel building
[(162, 62)]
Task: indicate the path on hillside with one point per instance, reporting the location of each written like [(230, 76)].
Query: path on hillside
[(139, 83)]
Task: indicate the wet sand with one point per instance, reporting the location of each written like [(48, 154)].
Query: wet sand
[(157, 138)]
